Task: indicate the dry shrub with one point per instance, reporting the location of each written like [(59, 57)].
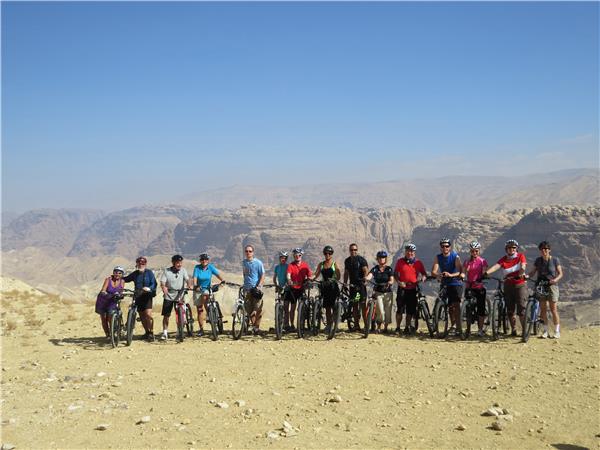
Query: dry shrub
[(9, 326), (33, 322)]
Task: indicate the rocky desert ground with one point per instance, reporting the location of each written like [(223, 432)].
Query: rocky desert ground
[(63, 386)]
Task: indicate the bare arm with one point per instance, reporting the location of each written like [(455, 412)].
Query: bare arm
[(105, 285), (559, 274), (492, 269)]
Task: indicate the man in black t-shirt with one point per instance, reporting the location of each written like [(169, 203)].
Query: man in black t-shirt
[(356, 269)]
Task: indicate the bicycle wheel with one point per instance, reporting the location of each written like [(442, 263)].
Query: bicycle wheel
[(278, 320), (465, 319), (130, 324), (488, 314), (220, 318), (495, 319), (530, 318), (115, 328), (504, 323), (440, 319), (301, 319), (238, 322), (180, 316), (336, 317), (369, 318), (317, 317), (189, 321), (426, 316), (213, 319)]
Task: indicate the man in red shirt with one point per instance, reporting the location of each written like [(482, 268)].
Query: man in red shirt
[(408, 272), (297, 273), (514, 265)]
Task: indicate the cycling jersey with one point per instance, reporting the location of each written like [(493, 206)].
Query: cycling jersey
[(204, 275), (475, 267), (281, 273), (382, 277), (448, 264), (298, 273), (354, 265), (511, 267), (407, 272)]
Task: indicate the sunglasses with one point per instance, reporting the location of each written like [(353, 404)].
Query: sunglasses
[(445, 246), (327, 253), (353, 249), (512, 247), (248, 251)]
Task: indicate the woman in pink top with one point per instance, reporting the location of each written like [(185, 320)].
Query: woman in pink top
[(474, 268)]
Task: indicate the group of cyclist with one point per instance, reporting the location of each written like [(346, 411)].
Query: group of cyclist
[(291, 278)]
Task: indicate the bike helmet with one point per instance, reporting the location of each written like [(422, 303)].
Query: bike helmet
[(474, 245), (382, 254), (141, 260), (119, 269), (411, 247), (544, 244), (176, 258), (328, 249), (298, 251), (203, 257), (445, 241), (283, 254), (511, 243)]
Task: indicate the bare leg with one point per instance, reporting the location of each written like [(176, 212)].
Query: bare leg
[(104, 320)]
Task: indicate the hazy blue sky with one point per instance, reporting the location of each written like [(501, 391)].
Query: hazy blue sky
[(113, 104)]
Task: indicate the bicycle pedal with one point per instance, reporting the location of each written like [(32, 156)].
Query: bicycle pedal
[(224, 321), (138, 319)]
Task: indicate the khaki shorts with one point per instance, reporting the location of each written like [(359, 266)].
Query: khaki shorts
[(253, 305), (198, 297), (516, 297), (552, 295)]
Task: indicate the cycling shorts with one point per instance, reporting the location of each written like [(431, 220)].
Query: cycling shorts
[(479, 295), (167, 307), (406, 301), (358, 294), (144, 301), (454, 294)]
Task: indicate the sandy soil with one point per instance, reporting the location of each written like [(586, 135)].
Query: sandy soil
[(61, 381)]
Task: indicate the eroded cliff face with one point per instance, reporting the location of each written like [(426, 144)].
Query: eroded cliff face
[(270, 230)]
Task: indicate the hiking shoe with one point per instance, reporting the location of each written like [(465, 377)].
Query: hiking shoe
[(164, 336), (199, 333), (557, 335), (513, 333), (544, 335), (480, 333), (406, 331), (256, 331), (292, 329), (397, 330)]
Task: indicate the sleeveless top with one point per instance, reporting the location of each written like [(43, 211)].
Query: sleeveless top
[(448, 264), (114, 289), (328, 274)]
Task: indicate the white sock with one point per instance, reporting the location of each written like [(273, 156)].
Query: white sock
[(558, 328), (545, 328)]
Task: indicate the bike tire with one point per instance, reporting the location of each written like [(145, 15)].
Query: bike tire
[(465, 319), (440, 319), (301, 319), (530, 318), (115, 329), (131, 316), (317, 317), (336, 318), (278, 320), (220, 318), (488, 315), (495, 320), (180, 323), (504, 323), (189, 321), (369, 318), (213, 318), (237, 324), (426, 316)]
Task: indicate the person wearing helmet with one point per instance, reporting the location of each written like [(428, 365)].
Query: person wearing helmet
[(474, 269), (356, 269), (201, 280), (448, 268), (297, 273), (145, 290), (254, 278), (383, 277), (280, 271), (172, 282), (330, 274), (514, 266), (105, 302), (548, 267), (408, 271)]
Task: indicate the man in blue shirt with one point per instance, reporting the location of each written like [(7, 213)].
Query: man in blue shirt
[(254, 277)]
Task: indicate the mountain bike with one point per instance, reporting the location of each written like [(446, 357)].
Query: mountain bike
[(241, 320), (423, 312), (371, 305), (499, 315), (213, 313), (131, 316), (342, 311), (279, 310), (183, 315), (115, 317), (309, 312), (469, 315), (441, 313), (532, 309)]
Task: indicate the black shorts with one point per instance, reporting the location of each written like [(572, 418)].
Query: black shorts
[(329, 293), (143, 301), (454, 293), (358, 295), (167, 307), (479, 295), (406, 301), (292, 295)]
